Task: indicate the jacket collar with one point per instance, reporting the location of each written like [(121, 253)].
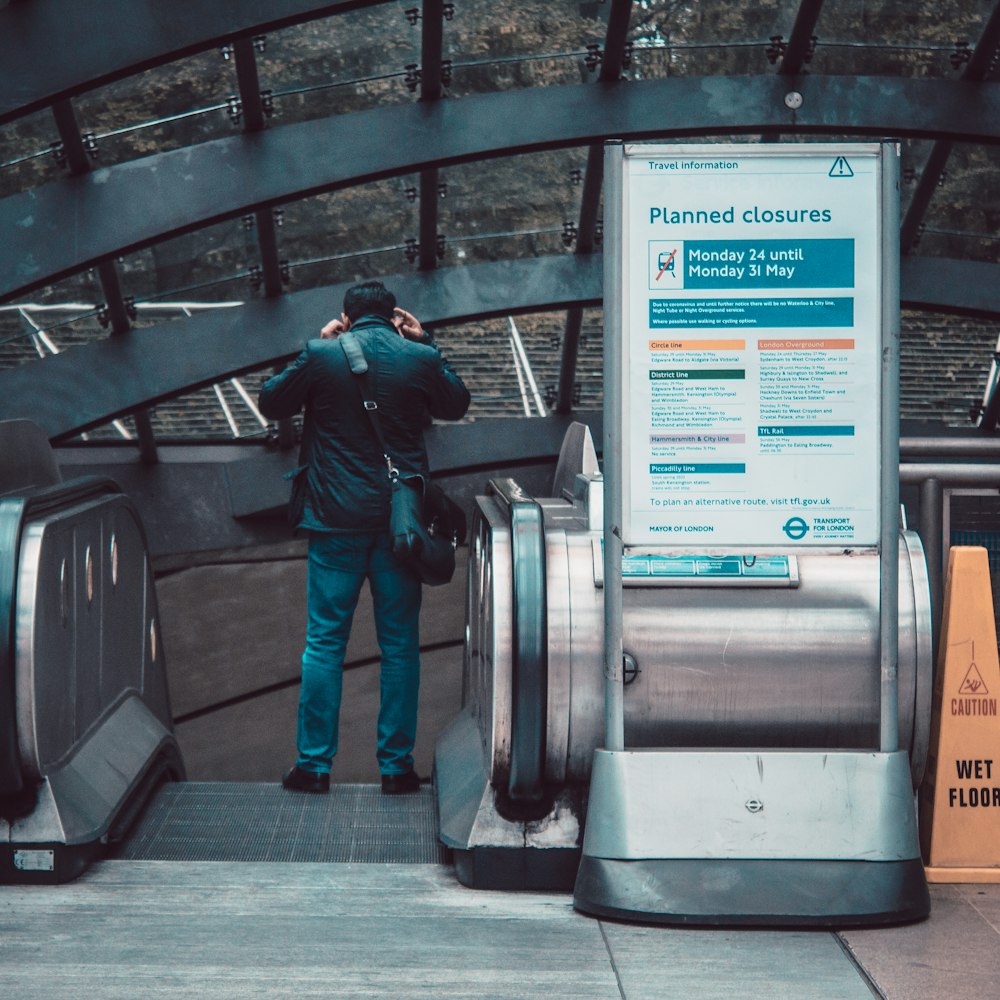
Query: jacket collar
[(372, 321)]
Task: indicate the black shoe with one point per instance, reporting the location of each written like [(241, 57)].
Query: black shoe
[(298, 780), (402, 784)]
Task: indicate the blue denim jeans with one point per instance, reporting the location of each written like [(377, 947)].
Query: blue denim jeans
[(338, 566)]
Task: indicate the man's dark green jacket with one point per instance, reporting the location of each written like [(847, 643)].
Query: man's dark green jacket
[(347, 486)]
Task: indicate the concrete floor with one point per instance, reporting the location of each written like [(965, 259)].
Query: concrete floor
[(212, 929), (955, 955), (138, 929)]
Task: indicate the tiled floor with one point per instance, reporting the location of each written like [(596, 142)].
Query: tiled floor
[(955, 955), (232, 890), (138, 929)]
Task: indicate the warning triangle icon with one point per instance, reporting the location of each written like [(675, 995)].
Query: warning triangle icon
[(841, 168), (973, 683)]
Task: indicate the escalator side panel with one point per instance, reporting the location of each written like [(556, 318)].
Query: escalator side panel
[(93, 721)]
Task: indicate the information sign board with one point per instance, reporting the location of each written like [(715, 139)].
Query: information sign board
[(751, 315)]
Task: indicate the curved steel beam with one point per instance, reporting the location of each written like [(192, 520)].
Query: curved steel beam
[(48, 48), (73, 391), (93, 383), (960, 287), (107, 270), (66, 226), (797, 53), (431, 89)]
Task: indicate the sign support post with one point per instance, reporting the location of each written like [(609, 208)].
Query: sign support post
[(614, 689), (888, 551)]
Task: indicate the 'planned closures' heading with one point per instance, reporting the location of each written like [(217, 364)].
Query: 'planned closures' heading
[(727, 216)]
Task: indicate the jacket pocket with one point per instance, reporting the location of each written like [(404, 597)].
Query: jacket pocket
[(297, 498)]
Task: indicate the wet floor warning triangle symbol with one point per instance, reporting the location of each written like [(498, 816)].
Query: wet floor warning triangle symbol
[(973, 683), (841, 168)]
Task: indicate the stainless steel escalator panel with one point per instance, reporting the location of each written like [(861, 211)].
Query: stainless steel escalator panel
[(86, 630), (91, 706)]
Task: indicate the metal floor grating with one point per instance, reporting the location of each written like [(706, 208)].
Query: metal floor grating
[(228, 821)]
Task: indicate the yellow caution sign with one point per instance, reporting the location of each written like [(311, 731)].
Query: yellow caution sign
[(960, 799)]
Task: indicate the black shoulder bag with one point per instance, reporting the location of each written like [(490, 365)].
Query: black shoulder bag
[(426, 526)]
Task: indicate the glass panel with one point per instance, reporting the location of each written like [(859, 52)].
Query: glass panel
[(341, 64), (348, 235), (963, 219), (896, 37), (51, 320), (528, 202), (182, 103), (499, 47), (944, 363), (509, 207), (210, 264), (217, 413), (672, 38), (480, 352), (483, 354), (28, 156)]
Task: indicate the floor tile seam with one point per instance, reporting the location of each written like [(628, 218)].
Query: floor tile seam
[(982, 915), (862, 970), (611, 960)]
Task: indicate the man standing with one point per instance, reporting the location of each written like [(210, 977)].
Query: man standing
[(346, 515)]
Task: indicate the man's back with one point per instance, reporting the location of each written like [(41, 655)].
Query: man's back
[(347, 486)]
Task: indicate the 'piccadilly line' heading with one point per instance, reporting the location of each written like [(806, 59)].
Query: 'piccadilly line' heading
[(749, 215)]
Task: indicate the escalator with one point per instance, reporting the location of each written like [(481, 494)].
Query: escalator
[(85, 724)]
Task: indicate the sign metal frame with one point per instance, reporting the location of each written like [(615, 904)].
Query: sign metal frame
[(699, 368), (882, 484)]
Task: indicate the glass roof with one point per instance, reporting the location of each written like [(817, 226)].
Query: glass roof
[(515, 206)]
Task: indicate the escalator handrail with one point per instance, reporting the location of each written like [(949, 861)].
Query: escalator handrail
[(529, 681)]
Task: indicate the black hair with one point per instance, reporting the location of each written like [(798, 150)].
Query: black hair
[(370, 298)]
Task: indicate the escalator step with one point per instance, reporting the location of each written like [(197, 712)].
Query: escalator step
[(227, 821)]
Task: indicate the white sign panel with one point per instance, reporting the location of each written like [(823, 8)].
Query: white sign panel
[(751, 340)]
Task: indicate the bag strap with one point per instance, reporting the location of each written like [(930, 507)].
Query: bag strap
[(359, 367)]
